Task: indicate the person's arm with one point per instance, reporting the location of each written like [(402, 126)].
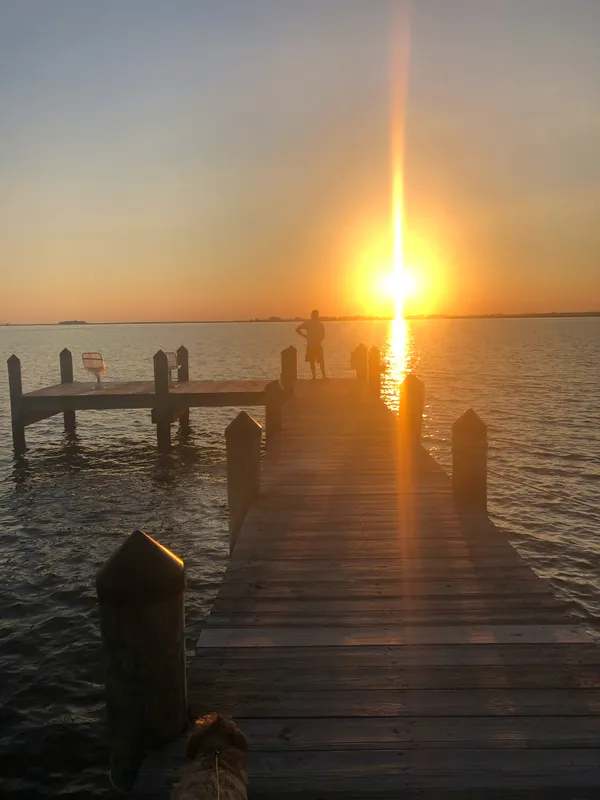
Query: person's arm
[(301, 330)]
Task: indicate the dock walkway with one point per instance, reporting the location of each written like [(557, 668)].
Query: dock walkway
[(373, 643)]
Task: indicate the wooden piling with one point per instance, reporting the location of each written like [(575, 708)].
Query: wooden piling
[(161, 414), (66, 376), (374, 366), (410, 412), (289, 369), (183, 375), (469, 462), (360, 362), (273, 402), (141, 595), (242, 440), (15, 385)]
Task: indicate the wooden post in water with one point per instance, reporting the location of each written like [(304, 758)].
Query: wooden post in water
[(242, 440), (289, 369), (360, 362), (161, 413), (469, 462), (410, 412), (66, 376), (375, 371), (183, 375), (273, 403), (15, 385), (141, 595)]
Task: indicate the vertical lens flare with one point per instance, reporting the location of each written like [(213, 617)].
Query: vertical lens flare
[(400, 28), (398, 212)]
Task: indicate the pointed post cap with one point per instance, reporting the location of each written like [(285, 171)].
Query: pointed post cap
[(469, 427), (13, 360), (160, 356), (290, 349), (412, 383), (65, 352), (274, 389), (181, 349), (362, 348), (374, 351), (139, 573), (243, 427)]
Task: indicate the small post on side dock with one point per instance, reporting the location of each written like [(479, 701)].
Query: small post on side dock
[(242, 440), (469, 462), (141, 595), (183, 375), (375, 371), (289, 369), (273, 402), (161, 413), (66, 376), (15, 385), (360, 362), (410, 412)]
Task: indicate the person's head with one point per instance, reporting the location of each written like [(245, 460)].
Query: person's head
[(314, 314)]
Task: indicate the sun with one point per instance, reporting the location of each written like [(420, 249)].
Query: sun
[(398, 285)]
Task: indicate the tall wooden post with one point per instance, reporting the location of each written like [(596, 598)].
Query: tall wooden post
[(66, 376), (375, 371), (410, 412), (469, 462), (141, 595), (360, 361), (161, 414), (273, 404), (15, 385), (289, 369), (183, 375), (242, 440)]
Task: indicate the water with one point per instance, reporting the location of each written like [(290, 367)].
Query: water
[(66, 506)]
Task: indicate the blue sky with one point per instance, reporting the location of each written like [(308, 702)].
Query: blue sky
[(243, 150)]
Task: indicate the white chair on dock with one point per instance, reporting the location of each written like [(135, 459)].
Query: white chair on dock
[(94, 363), (173, 363)]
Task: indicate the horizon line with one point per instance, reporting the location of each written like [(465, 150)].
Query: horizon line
[(326, 318)]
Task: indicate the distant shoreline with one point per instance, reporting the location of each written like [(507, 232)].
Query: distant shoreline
[(532, 315)]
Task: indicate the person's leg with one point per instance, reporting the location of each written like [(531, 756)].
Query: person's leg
[(313, 369), (322, 365)]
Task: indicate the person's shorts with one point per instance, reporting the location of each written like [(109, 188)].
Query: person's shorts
[(314, 352)]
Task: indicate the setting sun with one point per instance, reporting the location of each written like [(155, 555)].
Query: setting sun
[(398, 285)]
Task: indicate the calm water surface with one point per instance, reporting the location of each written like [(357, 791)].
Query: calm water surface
[(66, 506)]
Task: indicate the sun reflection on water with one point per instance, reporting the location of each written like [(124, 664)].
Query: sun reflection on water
[(398, 359)]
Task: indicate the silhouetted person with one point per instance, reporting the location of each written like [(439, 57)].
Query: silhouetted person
[(314, 332)]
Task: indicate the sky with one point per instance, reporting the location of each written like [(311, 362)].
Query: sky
[(188, 159)]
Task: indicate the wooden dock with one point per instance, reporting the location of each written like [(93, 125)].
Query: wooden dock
[(168, 400), (373, 642)]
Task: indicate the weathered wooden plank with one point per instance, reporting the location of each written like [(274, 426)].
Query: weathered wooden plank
[(392, 635), (306, 607), (410, 702), (440, 571), (304, 659), (424, 768), (296, 548), (391, 677), (376, 618), (496, 733), (381, 588)]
